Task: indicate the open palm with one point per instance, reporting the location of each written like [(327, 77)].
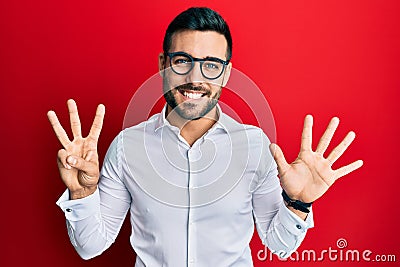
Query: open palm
[(310, 175)]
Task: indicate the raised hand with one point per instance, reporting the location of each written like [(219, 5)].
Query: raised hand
[(78, 160), (310, 175)]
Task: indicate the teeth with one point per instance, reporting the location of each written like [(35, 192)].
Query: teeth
[(192, 95)]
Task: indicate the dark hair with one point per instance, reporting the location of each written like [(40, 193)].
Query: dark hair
[(199, 19)]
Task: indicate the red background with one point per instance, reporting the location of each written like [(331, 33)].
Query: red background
[(326, 58)]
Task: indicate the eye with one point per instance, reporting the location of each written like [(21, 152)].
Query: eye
[(211, 65), (181, 60)]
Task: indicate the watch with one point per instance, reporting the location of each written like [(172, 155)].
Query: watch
[(296, 204)]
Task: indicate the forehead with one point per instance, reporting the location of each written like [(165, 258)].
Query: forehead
[(200, 43)]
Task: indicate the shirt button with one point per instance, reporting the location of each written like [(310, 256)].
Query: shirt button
[(298, 226), (191, 260), (68, 210)]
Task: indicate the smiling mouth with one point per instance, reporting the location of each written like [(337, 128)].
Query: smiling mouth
[(192, 94)]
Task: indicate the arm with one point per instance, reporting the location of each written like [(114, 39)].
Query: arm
[(94, 222), (279, 229), (306, 179), (94, 212)]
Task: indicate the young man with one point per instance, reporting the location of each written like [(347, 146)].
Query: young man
[(193, 179)]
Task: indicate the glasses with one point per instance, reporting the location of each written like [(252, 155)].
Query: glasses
[(211, 67)]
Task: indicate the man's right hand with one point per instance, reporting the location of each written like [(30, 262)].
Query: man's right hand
[(78, 161)]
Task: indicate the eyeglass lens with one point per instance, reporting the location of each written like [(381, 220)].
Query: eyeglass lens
[(183, 64)]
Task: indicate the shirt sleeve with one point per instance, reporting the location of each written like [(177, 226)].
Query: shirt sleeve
[(93, 222), (279, 229)]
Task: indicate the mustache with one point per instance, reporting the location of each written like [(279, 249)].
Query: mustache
[(191, 87)]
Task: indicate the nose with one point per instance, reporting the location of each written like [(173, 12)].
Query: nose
[(195, 76)]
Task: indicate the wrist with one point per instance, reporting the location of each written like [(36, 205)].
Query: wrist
[(296, 204), (300, 214), (82, 193)]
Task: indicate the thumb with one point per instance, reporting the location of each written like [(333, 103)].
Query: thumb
[(79, 163), (277, 153)]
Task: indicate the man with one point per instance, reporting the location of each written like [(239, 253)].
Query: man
[(193, 179)]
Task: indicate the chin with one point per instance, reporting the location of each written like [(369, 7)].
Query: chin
[(190, 114)]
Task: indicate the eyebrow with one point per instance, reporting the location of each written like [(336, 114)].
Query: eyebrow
[(205, 58)]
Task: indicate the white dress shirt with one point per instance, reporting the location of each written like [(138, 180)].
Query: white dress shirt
[(189, 205)]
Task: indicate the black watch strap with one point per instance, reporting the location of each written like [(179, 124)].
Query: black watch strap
[(296, 204)]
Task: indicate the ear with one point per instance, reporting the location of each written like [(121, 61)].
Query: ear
[(227, 74), (161, 64)]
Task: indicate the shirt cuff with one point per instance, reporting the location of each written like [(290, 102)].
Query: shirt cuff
[(79, 209), (293, 223)]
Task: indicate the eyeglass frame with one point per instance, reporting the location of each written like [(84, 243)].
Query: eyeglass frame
[(195, 59)]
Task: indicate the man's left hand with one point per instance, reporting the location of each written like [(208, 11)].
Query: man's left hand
[(311, 174)]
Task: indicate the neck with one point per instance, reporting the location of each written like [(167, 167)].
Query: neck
[(191, 130)]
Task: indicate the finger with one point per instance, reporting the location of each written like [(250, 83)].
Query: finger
[(339, 150), (79, 163), (97, 122), (62, 158), (306, 137), (327, 136), (74, 118), (91, 156), (58, 129), (348, 169), (277, 153)]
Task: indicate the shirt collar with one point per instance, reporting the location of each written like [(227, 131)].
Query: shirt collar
[(222, 122)]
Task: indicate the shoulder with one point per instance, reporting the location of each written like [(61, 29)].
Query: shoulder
[(255, 135), (133, 133), (149, 124)]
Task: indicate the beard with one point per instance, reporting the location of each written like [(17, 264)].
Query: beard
[(191, 110)]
